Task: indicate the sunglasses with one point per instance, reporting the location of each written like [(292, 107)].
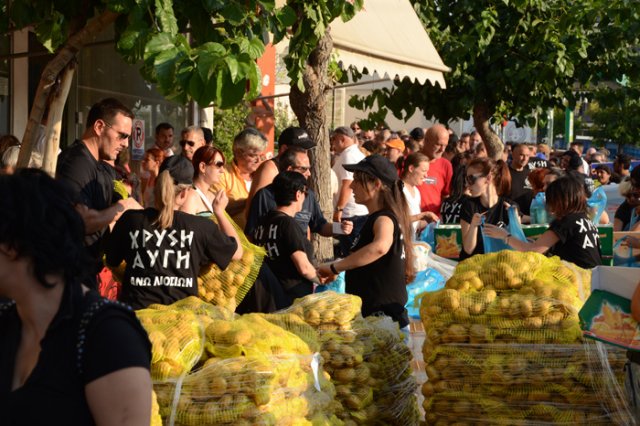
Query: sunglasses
[(218, 164), (471, 179), (190, 143), (122, 136)]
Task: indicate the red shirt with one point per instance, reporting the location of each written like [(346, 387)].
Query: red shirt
[(436, 185)]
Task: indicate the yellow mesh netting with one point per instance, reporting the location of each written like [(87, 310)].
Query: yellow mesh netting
[(252, 335), (156, 419), (245, 390), (229, 287), (503, 345), (366, 358), (177, 339)]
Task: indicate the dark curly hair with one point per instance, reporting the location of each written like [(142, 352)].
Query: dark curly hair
[(38, 221)]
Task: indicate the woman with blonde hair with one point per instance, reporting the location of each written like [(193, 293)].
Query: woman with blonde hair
[(165, 248), (248, 149), (381, 262)]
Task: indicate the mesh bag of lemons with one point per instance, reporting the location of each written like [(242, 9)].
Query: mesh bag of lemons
[(503, 344), (229, 287), (295, 391), (525, 384), (366, 359), (507, 297), (244, 390), (177, 341)]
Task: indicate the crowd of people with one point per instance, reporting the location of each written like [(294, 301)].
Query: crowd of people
[(386, 188)]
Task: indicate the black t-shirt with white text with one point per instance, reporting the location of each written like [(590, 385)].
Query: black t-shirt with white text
[(381, 284), (497, 215), (537, 163), (163, 264), (450, 210), (579, 240), (264, 201), (521, 191), (281, 236)]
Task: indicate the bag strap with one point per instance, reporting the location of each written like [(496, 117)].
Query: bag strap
[(6, 307), (92, 304)]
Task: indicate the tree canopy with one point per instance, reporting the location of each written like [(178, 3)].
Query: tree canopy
[(516, 58), (615, 112), (202, 50)]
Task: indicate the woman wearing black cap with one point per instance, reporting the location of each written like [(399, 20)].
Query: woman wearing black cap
[(164, 248), (381, 262)]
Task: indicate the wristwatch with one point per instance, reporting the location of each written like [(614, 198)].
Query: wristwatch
[(339, 209)]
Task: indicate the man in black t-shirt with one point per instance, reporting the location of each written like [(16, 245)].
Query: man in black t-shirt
[(81, 166), (310, 217), (288, 250), (521, 191)]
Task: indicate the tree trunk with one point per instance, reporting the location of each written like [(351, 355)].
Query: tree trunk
[(54, 120), (52, 75), (492, 142), (310, 108)]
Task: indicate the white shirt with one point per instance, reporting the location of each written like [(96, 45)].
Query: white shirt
[(414, 205), (351, 155)]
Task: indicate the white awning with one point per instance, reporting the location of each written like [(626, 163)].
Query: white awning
[(387, 36)]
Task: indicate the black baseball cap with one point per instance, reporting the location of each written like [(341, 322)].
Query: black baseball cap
[(180, 169), (377, 166), (417, 134), (295, 136)]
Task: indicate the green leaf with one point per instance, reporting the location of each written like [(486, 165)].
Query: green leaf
[(213, 5), (232, 66), (22, 13), (210, 55), (234, 14), (255, 48), (254, 78), (164, 13), (165, 65), (159, 43), (286, 16), (228, 92)]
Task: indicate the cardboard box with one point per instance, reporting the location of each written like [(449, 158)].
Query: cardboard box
[(448, 239), (606, 315)]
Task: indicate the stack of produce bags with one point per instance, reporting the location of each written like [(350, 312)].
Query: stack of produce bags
[(503, 344)]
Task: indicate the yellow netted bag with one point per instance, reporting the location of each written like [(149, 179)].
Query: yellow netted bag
[(252, 335), (229, 287), (507, 297), (327, 310), (503, 344), (245, 390), (156, 419), (206, 312), (528, 384), (177, 340)]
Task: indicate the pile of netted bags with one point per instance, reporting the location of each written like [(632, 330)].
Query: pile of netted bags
[(366, 359), (503, 344), (226, 369)]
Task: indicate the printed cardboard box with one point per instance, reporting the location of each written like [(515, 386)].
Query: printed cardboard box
[(448, 239), (606, 315)]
